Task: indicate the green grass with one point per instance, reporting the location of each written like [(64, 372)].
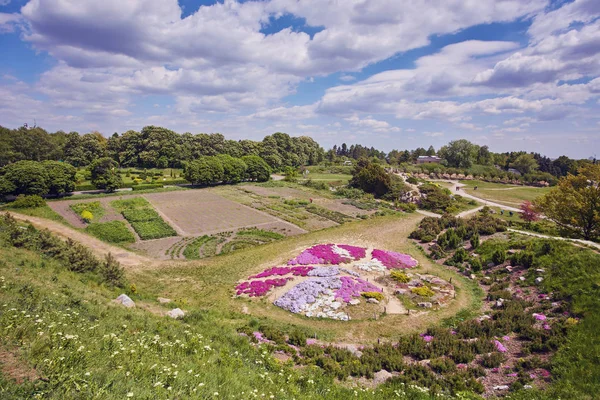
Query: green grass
[(510, 195), (154, 229), (140, 215), (268, 235), (146, 222), (192, 250), (93, 206), (111, 232), (129, 203), (344, 178), (40, 212)]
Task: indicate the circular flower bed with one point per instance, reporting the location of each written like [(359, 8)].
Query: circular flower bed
[(316, 285)]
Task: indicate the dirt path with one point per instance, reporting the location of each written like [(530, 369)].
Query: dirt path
[(126, 258), (488, 203)]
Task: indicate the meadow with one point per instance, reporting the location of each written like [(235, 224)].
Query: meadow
[(510, 195)]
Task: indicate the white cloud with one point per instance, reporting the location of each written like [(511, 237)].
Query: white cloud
[(372, 124), (8, 22)]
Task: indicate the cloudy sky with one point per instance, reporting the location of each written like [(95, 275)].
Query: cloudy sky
[(512, 74)]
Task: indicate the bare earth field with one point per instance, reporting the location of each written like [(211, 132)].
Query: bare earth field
[(63, 208), (201, 212)]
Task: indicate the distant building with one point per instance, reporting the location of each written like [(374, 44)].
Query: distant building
[(428, 160)]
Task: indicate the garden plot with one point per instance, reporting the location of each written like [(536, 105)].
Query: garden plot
[(342, 282), (201, 212)]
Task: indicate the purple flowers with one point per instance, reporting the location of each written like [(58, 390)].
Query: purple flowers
[(428, 338), (539, 317), (500, 347), (354, 287), (324, 271), (306, 293), (393, 260), (281, 271), (259, 288), (329, 254)]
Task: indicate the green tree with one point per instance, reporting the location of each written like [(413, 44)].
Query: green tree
[(371, 178), (574, 204), (24, 177), (61, 177), (459, 153), (205, 170), (258, 170), (291, 174), (105, 174), (234, 169), (525, 164)]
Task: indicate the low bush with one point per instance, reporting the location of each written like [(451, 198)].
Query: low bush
[(373, 295), (32, 201), (423, 291), (399, 276), (146, 187)]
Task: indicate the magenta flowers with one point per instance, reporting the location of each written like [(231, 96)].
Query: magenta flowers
[(281, 271), (393, 260), (329, 254), (500, 347), (259, 288)]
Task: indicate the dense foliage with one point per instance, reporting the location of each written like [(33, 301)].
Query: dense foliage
[(152, 147), (37, 178), (574, 205)]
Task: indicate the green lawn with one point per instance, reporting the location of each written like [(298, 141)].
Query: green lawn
[(328, 177), (510, 195)]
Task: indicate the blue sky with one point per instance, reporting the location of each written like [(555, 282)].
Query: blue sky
[(510, 74)]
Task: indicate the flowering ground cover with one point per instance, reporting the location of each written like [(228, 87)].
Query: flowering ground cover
[(392, 260), (329, 288)]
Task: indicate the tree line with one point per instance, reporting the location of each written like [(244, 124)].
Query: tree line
[(462, 154), (152, 147)]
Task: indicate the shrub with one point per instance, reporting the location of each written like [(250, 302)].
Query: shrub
[(373, 295), (87, 216), (442, 365), (399, 276), (475, 264), (499, 256), (492, 360), (146, 187), (460, 256), (475, 240), (423, 291), (112, 272), (297, 338), (32, 201)]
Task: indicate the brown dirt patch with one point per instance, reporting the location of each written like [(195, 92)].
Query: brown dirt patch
[(15, 369), (201, 212)]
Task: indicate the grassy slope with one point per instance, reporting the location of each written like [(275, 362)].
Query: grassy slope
[(509, 195), (210, 282), (61, 326)]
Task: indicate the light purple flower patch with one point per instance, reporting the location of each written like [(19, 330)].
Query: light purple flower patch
[(354, 287), (428, 338), (324, 271), (539, 317), (298, 297)]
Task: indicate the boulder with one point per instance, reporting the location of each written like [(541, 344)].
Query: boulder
[(354, 302), (381, 376), (125, 300), (425, 304), (163, 300), (539, 279), (521, 278), (176, 313), (373, 301), (501, 387)]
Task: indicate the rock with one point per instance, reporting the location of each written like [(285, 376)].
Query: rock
[(509, 268), (490, 265), (163, 300), (425, 304), (521, 278), (501, 387), (539, 279), (125, 300), (527, 387), (401, 291), (499, 304), (373, 301), (381, 376), (176, 313), (354, 302), (472, 276), (540, 270)]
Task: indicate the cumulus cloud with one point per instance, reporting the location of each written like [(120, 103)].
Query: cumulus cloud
[(372, 124)]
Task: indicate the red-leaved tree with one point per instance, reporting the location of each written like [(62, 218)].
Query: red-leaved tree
[(528, 212)]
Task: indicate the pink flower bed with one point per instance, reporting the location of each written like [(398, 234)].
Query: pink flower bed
[(393, 260), (281, 271), (327, 254), (259, 288), (354, 287)]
